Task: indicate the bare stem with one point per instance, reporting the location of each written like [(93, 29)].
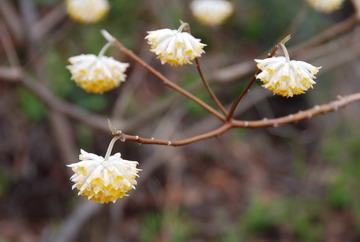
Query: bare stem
[(301, 115), (292, 118), (208, 88), (165, 80), (104, 49), (182, 142), (110, 147), (246, 89)]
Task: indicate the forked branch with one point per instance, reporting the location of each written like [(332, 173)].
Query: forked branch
[(292, 118), (156, 73)]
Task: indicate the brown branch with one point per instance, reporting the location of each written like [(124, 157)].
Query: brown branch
[(70, 110), (301, 115), (12, 74), (12, 19), (140, 140), (165, 80), (8, 46), (247, 87), (292, 118), (208, 88), (45, 25)]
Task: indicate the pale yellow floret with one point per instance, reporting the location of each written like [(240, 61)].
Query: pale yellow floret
[(103, 180), (97, 74), (286, 78), (174, 47), (326, 6), (211, 12), (87, 11)]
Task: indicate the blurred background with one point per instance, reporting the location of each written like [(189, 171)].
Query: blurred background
[(297, 182)]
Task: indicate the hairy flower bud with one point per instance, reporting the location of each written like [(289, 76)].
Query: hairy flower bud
[(211, 12), (103, 180), (326, 6), (97, 74), (286, 77), (174, 47), (87, 11)]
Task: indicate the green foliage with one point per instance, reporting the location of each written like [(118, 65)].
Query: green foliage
[(85, 135), (150, 227), (60, 76), (92, 102), (332, 150), (260, 215), (231, 235), (305, 227), (30, 104), (194, 109), (256, 217), (178, 227), (4, 183), (339, 194)]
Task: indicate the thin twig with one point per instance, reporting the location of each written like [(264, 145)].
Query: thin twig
[(48, 23), (12, 19), (208, 88), (8, 46), (140, 140), (246, 89), (165, 80), (301, 115), (292, 118), (12, 74), (48, 97)]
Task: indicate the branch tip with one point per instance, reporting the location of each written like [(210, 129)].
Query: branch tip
[(107, 35), (114, 131), (286, 39)]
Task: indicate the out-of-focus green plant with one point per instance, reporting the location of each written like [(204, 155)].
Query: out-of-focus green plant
[(31, 105)]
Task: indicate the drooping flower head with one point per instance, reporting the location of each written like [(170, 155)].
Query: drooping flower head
[(97, 74), (174, 46), (87, 11), (286, 77), (211, 12), (102, 179), (326, 6)]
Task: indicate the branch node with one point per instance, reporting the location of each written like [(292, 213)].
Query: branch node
[(122, 137), (317, 107), (169, 143), (335, 106), (246, 123)]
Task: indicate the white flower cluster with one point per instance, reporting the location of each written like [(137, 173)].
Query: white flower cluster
[(326, 6), (286, 77), (97, 74), (103, 180), (87, 11), (211, 12), (174, 47)]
